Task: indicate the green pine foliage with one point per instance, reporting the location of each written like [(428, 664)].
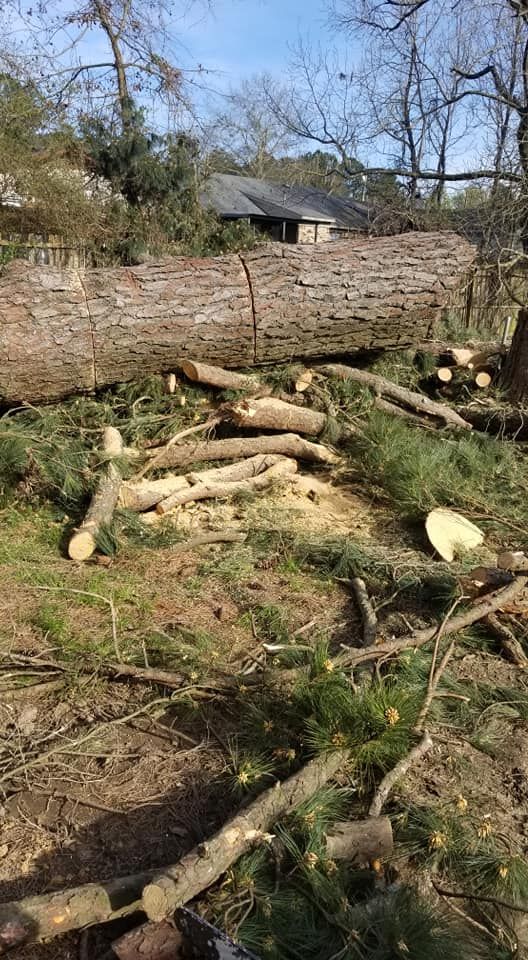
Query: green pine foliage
[(420, 470), (287, 900)]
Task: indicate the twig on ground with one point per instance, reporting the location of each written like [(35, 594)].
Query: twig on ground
[(479, 898), (435, 674), (96, 596), (216, 536), (391, 778), (509, 643), (159, 454), (366, 609)]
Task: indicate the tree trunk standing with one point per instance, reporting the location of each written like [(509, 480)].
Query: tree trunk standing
[(65, 331), (514, 377), (125, 101)]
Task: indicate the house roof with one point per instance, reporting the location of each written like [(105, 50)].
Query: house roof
[(235, 197)]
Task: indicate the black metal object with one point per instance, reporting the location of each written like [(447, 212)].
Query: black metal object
[(202, 941)]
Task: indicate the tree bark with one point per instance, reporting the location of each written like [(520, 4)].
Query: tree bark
[(65, 331), (386, 388), (150, 941), (101, 510), (514, 376), (48, 915), (287, 444)]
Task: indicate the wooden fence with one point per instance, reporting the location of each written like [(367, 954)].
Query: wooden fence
[(488, 299), (50, 250)]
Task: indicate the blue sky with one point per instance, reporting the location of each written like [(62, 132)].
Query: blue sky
[(241, 37)]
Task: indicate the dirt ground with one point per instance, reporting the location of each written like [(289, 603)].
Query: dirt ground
[(97, 779)]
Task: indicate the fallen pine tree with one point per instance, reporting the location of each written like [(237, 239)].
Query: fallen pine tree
[(68, 331)]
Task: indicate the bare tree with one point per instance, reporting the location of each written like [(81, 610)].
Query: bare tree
[(247, 132), (138, 52)]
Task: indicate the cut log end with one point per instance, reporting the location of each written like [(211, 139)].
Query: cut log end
[(444, 374), (159, 899), (483, 379), (450, 532), (82, 545)]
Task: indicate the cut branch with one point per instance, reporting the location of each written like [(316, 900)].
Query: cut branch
[(385, 388), (269, 413), (368, 614), (286, 444), (203, 491), (391, 778), (101, 510), (490, 604), (48, 915), (217, 377)]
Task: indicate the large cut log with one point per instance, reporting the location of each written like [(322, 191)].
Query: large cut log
[(232, 448), (50, 914), (65, 331)]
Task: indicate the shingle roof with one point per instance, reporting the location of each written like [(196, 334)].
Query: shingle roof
[(234, 196)]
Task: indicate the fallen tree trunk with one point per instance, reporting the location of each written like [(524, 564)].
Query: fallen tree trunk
[(100, 512), (233, 448), (221, 488), (385, 388), (48, 915), (269, 413), (65, 331)]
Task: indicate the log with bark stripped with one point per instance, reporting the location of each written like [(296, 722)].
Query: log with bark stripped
[(63, 331), (218, 488)]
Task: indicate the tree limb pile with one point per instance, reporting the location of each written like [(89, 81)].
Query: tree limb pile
[(68, 331), (272, 468)]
